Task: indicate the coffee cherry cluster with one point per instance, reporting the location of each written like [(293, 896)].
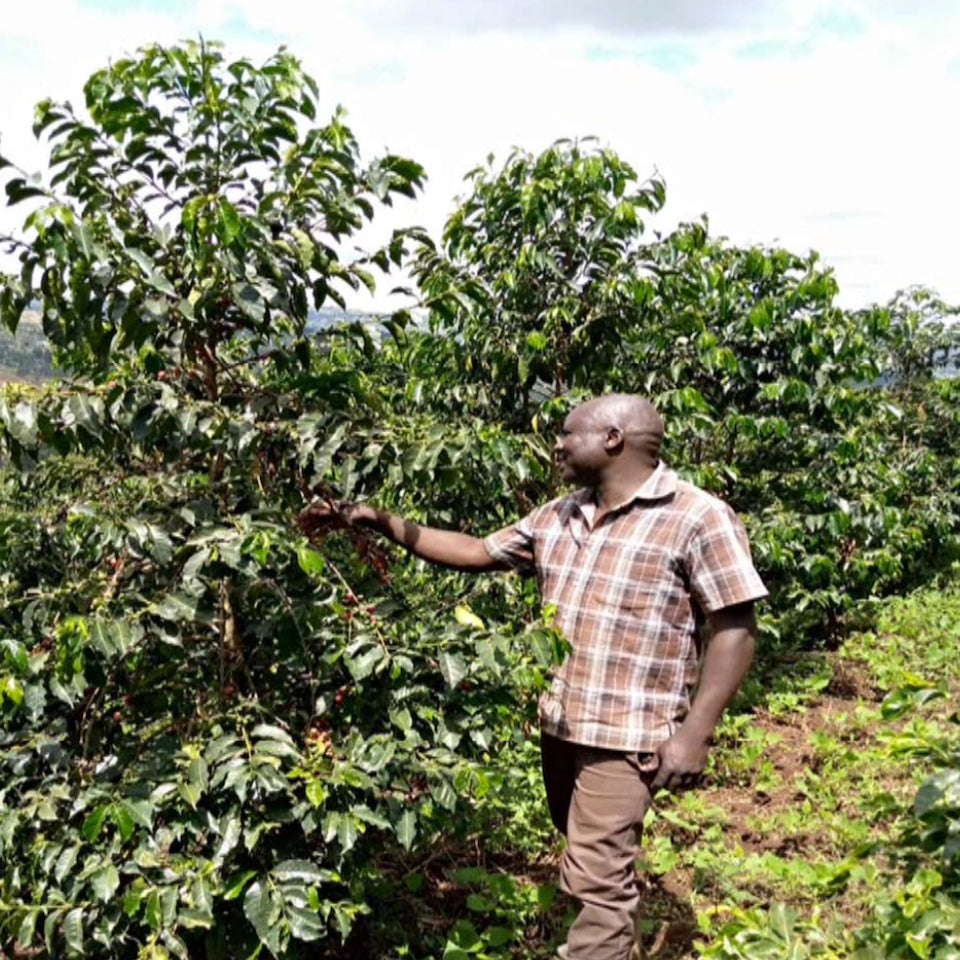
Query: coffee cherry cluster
[(372, 553), (316, 525)]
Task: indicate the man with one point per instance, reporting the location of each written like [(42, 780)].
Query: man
[(629, 561)]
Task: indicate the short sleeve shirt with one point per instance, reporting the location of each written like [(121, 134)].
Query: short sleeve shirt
[(627, 592)]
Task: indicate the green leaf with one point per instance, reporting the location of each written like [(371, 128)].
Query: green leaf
[(65, 862), (453, 668), (34, 701), (361, 667), (466, 617), (18, 190), (536, 340), (229, 224), (363, 813), (231, 837), (249, 302), (782, 920), (105, 882), (316, 793), (73, 930), (21, 422), (84, 237), (193, 566), (153, 912), (12, 690), (194, 919), (301, 870), (179, 608), (234, 886), (305, 247), (478, 903), (188, 218), (85, 412), (124, 821), (945, 784), (270, 732), (406, 828), (61, 692), (304, 924), (442, 791), (93, 823), (546, 896), (261, 908), (311, 562), (347, 832), (402, 719), (113, 638), (141, 811), (141, 258), (27, 928), (190, 792)]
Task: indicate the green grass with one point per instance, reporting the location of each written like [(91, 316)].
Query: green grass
[(809, 790)]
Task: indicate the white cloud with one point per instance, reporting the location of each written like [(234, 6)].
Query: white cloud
[(637, 17), (829, 116)]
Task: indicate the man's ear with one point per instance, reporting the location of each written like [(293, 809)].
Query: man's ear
[(613, 440)]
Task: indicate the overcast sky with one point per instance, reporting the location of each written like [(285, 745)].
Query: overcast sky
[(830, 126)]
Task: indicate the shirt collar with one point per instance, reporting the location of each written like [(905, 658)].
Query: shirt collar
[(661, 483)]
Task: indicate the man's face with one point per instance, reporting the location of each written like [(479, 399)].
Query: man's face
[(579, 452)]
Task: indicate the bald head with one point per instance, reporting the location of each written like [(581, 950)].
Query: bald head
[(636, 419), (612, 439)]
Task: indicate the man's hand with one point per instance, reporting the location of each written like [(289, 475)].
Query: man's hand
[(327, 516), (684, 756), (682, 761)]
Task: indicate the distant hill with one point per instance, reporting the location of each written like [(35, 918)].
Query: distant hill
[(26, 355), (330, 316)]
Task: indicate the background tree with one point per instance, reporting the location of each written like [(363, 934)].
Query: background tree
[(539, 272)]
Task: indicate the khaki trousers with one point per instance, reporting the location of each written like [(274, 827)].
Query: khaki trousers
[(598, 799)]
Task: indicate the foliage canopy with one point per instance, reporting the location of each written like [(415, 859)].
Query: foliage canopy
[(218, 738)]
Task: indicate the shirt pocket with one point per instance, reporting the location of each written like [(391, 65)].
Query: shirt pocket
[(641, 580)]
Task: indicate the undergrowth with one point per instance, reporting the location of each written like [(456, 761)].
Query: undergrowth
[(807, 839)]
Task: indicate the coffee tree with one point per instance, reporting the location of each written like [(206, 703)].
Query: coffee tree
[(213, 730), (802, 415), (192, 210), (538, 270)]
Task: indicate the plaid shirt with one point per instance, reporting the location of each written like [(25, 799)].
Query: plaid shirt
[(626, 594)]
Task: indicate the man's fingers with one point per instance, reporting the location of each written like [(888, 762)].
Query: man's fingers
[(674, 780), (322, 516), (667, 778), (317, 523)]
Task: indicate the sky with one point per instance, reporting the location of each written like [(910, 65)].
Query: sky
[(812, 125)]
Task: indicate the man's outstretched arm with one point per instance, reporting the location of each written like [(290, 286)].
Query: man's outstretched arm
[(447, 548), (725, 664)]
